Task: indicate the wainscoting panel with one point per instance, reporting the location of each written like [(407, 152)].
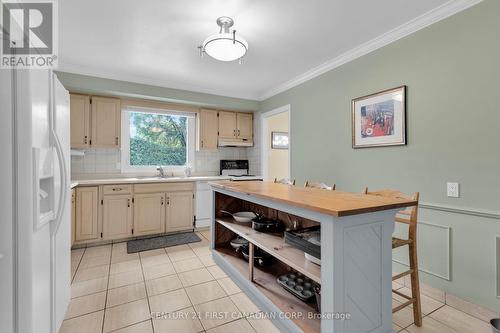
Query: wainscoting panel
[(434, 243)]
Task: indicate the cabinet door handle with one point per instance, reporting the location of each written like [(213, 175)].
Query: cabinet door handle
[(201, 143), (162, 201), (238, 132), (128, 202), (116, 140), (85, 139), (168, 201), (117, 189)]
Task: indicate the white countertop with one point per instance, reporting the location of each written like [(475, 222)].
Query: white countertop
[(142, 179)]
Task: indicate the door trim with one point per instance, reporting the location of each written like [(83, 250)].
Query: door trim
[(265, 140)]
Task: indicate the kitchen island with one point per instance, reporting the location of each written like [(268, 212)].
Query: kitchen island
[(356, 252)]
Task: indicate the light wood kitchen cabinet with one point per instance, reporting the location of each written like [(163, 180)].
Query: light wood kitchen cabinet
[(86, 213), (106, 122), (149, 213), (208, 127), (244, 126), (73, 214), (95, 121), (80, 121), (179, 211), (235, 126), (117, 216), (227, 125)]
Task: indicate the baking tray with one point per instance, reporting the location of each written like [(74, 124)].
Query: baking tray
[(298, 285), (299, 239)]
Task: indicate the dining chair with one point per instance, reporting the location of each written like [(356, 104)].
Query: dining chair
[(409, 217)]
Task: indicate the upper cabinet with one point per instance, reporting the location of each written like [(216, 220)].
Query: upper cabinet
[(208, 127), (95, 122), (80, 121), (244, 126), (105, 122), (235, 128), (227, 125)]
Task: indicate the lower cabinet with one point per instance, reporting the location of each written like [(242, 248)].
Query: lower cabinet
[(73, 215), (149, 213), (86, 214), (101, 213), (117, 216), (179, 211)]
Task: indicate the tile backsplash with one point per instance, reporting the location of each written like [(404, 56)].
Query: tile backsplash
[(102, 161), (108, 161)]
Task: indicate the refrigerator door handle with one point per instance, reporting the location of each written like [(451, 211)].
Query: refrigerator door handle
[(63, 174)]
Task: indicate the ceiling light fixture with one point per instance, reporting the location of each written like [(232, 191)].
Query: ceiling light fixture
[(224, 46)]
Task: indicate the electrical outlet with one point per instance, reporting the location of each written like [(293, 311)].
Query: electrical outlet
[(453, 190)]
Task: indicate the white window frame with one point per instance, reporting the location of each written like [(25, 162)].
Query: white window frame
[(148, 169)]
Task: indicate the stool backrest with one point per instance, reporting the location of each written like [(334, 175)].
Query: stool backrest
[(407, 216), (285, 181), (321, 186)]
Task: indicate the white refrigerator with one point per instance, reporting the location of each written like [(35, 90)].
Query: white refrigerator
[(35, 253)]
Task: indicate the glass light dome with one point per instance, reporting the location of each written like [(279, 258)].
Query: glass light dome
[(222, 47)]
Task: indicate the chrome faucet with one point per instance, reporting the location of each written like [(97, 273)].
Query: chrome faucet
[(161, 172)]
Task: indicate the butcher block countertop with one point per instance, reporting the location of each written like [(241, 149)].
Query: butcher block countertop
[(335, 203)]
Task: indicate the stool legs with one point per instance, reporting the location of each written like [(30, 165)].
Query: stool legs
[(415, 285)]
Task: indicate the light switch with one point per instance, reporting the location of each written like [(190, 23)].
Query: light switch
[(453, 190)]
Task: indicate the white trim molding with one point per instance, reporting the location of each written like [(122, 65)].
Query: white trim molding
[(457, 210), (435, 15)]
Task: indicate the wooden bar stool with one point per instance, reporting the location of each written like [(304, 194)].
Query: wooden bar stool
[(321, 186), (409, 217), (285, 181)]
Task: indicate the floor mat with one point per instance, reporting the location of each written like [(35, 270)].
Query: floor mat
[(139, 245)]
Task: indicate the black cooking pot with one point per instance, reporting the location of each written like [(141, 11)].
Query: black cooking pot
[(264, 224), (259, 256)]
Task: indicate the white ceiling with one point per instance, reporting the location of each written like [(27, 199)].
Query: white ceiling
[(155, 41)]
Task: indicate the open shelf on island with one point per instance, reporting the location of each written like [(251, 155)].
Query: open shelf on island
[(265, 281), (275, 246)]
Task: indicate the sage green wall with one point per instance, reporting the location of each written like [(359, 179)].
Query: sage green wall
[(96, 85), (452, 70)]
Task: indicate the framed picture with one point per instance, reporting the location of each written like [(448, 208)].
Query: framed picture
[(279, 140), (379, 119)]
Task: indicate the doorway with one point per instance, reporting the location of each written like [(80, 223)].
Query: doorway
[(276, 155)]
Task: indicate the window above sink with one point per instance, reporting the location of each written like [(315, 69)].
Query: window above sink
[(152, 137)]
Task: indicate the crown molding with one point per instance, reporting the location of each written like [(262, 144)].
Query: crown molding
[(435, 15), (106, 74)]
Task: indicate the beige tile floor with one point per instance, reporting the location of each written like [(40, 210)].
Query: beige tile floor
[(113, 291)]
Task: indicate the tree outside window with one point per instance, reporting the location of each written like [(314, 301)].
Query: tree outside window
[(158, 139)]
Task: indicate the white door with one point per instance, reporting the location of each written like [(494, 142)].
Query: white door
[(63, 235), (41, 255)]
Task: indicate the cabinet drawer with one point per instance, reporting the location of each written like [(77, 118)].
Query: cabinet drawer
[(117, 189), (163, 187)]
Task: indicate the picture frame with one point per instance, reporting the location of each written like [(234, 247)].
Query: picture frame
[(379, 120), (279, 140)]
